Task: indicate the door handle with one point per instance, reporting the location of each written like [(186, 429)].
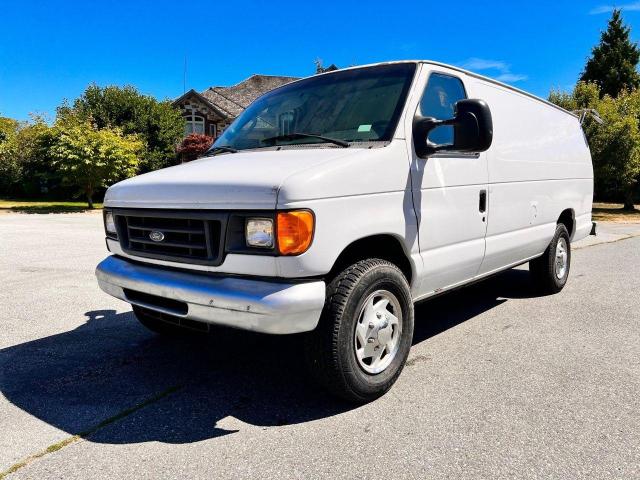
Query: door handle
[(482, 203)]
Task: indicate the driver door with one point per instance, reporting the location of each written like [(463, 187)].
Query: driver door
[(449, 194)]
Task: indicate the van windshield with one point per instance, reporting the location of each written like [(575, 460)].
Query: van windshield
[(359, 105)]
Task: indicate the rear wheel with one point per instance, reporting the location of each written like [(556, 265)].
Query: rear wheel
[(551, 271), (365, 332)]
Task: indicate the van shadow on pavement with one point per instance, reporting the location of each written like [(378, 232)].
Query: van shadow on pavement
[(77, 379)]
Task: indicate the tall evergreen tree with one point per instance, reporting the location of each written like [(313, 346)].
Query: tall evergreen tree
[(614, 60)]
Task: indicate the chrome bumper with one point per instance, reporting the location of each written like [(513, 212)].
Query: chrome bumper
[(257, 305)]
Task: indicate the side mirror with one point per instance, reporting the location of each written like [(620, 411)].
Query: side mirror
[(472, 129)]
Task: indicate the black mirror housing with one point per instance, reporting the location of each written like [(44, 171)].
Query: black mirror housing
[(421, 128), (472, 129)]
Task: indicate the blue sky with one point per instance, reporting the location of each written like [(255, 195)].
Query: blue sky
[(50, 51)]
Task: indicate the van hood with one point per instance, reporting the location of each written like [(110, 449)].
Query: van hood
[(243, 180)]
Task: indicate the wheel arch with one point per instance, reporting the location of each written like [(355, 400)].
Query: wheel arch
[(568, 219), (385, 246)]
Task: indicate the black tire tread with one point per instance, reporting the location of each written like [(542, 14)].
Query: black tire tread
[(542, 269), (326, 368)]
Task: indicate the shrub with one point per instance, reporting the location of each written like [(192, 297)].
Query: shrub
[(194, 146)]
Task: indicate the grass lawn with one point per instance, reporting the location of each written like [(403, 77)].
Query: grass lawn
[(613, 212), (27, 206)]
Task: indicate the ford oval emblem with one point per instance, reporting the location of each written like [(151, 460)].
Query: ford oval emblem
[(156, 236)]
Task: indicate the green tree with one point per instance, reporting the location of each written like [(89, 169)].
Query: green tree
[(613, 61), (34, 141), (8, 127), (584, 95), (615, 147), (92, 158), (10, 168), (23, 153), (158, 123)]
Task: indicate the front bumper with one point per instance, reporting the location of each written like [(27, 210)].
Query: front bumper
[(261, 306)]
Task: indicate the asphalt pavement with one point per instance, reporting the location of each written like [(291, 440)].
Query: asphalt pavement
[(501, 383)]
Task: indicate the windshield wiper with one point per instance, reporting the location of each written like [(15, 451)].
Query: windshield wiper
[(295, 136), (221, 149)]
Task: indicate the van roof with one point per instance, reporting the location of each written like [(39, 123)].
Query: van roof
[(466, 72)]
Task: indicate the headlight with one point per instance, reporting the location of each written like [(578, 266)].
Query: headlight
[(110, 223), (259, 232)]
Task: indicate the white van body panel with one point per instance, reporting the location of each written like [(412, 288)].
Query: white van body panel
[(537, 167), (348, 219), (358, 196), (245, 180), (445, 192), (343, 187)]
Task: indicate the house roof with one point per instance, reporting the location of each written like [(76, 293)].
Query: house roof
[(193, 94), (231, 101), (236, 98)]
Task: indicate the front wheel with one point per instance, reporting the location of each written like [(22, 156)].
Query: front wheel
[(365, 332), (551, 271)]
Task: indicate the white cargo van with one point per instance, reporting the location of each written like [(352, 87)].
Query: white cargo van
[(335, 202)]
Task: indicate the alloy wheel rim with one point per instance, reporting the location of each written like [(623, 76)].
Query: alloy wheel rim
[(377, 332), (562, 256)]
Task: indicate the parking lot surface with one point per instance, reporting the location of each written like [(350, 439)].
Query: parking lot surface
[(500, 382)]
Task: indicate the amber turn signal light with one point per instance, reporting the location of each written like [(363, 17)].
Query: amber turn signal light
[(295, 231)]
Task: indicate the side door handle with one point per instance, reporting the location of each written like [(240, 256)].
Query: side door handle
[(482, 203)]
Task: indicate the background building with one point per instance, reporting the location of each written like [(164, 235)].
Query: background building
[(212, 110)]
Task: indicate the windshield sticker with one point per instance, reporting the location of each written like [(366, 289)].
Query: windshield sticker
[(364, 128)]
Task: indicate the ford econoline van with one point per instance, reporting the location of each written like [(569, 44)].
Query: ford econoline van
[(334, 203)]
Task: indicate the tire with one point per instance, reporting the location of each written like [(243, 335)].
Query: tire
[(163, 324), (551, 271), (356, 322)]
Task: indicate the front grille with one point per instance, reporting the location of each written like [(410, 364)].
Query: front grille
[(183, 237), (193, 237)]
